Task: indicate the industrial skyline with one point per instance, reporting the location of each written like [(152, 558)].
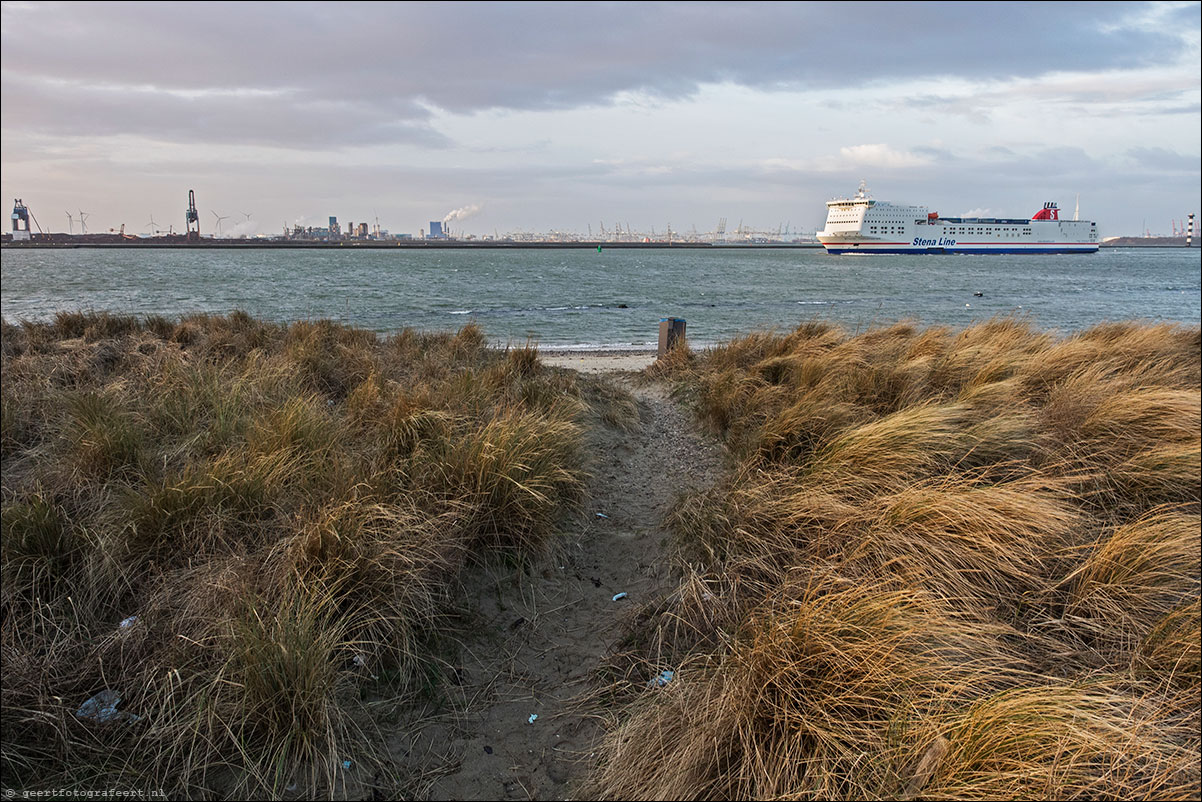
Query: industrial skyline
[(535, 118)]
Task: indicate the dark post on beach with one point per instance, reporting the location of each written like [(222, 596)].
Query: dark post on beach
[(671, 333)]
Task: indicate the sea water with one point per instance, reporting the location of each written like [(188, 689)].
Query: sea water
[(613, 299)]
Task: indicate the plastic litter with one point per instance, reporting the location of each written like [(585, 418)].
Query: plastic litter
[(617, 596), (346, 764), (532, 719), (602, 515), (663, 679), (103, 707), (361, 662), (128, 622)]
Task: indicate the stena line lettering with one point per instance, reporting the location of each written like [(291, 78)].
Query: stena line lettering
[(942, 242)]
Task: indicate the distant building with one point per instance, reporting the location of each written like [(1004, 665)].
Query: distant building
[(334, 230), (436, 231), (362, 233)]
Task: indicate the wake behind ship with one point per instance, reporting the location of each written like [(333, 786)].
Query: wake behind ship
[(864, 225)]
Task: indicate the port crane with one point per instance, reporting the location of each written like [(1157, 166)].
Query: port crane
[(192, 218)]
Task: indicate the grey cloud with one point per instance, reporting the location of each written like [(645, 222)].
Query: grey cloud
[(359, 73), (971, 108), (1188, 108), (942, 154), (1162, 159), (284, 120), (1046, 165)]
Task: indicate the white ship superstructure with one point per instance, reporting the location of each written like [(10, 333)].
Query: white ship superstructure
[(863, 225)]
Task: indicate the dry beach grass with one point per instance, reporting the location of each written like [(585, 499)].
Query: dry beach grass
[(946, 564), (940, 564), (279, 515)]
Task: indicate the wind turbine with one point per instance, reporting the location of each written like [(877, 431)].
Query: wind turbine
[(152, 224), (219, 219), (70, 223), (83, 216)]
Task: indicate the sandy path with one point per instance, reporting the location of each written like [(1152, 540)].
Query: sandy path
[(598, 361), (542, 635)]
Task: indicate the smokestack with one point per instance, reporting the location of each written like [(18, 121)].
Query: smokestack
[(1189, 232)]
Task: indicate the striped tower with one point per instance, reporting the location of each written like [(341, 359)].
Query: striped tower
[(1189, 232)]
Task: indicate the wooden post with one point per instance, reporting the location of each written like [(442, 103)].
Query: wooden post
[(671, 334)]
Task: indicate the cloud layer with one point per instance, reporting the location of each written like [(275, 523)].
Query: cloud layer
[(321, 75)]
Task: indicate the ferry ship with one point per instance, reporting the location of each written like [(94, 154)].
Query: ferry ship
[(863, 225)]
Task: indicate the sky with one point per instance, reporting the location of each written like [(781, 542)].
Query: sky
[(531, 117)]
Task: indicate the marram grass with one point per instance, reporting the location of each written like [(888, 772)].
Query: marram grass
[(277, 513), (944, 565)]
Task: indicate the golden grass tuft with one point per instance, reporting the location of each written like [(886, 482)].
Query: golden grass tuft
[(815, 698), (1137, 574), (1057, 742), (1172, 650), (977, 545)]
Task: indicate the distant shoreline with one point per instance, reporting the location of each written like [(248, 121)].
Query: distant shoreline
[(399, 245)]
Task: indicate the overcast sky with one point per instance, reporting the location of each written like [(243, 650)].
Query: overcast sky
[(560, 116)]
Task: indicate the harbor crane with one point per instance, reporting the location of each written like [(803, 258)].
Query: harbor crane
[(192, 218), (21, 218)]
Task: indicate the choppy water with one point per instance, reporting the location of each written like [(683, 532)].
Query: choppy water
[(611, 299)]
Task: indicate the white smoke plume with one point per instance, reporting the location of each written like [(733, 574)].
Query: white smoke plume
[(247, 228), (462, 213)]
